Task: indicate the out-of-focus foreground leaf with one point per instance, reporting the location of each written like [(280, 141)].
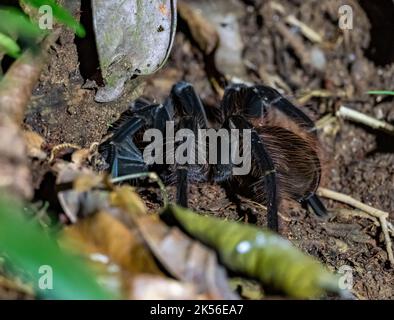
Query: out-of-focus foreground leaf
[(186, 259), (117, 252), (9, 46), (115, 233), (133, 38), (260, 254), (16, 25), (60, 14), (30, 248)]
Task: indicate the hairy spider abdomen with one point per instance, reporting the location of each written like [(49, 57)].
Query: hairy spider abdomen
[(296, 162)]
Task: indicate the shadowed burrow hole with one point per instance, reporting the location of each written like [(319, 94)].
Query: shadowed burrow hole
[(381, 15), (384, 141), (89, 65)]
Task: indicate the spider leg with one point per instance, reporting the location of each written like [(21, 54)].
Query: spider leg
[(263, 164), (188, 103), (120, 151), (187, 106), (254, 103), (272, 98), (316, 204)]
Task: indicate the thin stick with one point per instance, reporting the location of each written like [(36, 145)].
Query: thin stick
[(356, 116), (307, 31), (151, 175), (381, 215), (391, 227), (383, 223), (358, 213), (326, 193), (18, 83)]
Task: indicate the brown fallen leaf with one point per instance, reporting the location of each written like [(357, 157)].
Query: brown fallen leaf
[(34, 143), (121, 251), (80, 191), (81, 156), (126, 199), (186, 259)]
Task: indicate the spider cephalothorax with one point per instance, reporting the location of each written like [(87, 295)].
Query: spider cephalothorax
[(283, 150)]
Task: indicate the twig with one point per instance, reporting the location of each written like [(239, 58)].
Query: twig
[(381, 215), (15, 92), (18, 83), (151, 175), (358, 213), (307, 31), (356, 116), (320, 93), (391, 227)]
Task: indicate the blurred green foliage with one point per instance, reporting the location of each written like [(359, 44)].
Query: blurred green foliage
[(16, 26), (17, 30), (60, 14), (29, 248), (9, 46), (381, 92)]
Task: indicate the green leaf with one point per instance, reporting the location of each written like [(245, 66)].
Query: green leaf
[(9, 46), (260, 254), (60, 14), (29, 248), (381, 92), (16, 25)]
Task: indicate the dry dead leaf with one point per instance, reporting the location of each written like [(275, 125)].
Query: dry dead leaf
[(80, 197), (107, 241), (125, 198), (81, 156), (186, 259), (34, 143)]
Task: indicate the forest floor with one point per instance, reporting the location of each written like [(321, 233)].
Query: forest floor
[(320, 75)]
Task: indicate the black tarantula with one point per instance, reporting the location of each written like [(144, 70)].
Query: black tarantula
[(284, 148)]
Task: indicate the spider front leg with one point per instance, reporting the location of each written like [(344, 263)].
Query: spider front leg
[(256, 102), (120, 150), (190, 115)]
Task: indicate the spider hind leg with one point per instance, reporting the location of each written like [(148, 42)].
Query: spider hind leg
[(263, 172)]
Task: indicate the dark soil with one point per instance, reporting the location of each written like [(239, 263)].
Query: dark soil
[(358, 161)]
